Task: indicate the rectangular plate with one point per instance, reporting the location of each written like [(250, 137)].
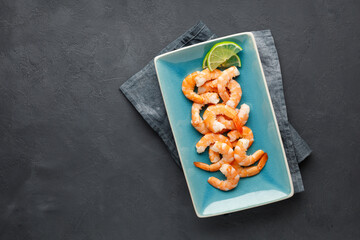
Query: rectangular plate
[(274, 182)]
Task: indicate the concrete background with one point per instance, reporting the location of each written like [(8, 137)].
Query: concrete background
[(78, 162)]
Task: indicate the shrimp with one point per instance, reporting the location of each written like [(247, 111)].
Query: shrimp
[(252, 170), (233, 135), (229, 124), (210, 86), (243, 113), (205, 75), (209, 139), (188, 86), (214, 156), (234, 144), (246, 133), (240, 153), (235, 93), (220, 109), (196, 120), (227, 157), (223, 80), (232, 178)]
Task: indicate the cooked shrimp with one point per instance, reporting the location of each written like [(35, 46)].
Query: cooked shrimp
[(243, 114), (234, 135), (188, 86), (214, 156), (220, 109), (240, 153), (223, 80), (196, 120), (210, 98), (226, 153), (246, 133), (209, 139), (252, 170), (229, 124), (232, 178), (205, 75), (227, 157), (235, 93), (210, 86)]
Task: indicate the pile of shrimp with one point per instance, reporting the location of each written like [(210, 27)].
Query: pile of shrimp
[(227, 153)]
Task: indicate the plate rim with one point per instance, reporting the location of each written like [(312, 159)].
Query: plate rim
[(251, 35)]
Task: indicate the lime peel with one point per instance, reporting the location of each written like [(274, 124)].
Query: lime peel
[(220, 53)]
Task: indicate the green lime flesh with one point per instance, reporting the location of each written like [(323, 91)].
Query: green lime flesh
[(220, 53), (233, 61)]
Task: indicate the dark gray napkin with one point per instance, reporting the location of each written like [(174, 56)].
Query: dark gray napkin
[(143, 92)]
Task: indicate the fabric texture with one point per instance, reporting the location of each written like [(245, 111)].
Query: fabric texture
[(143, 91)]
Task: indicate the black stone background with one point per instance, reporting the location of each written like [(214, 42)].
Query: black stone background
[(78, 162)]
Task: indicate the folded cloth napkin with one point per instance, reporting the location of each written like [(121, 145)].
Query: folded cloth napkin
[(143, 92)]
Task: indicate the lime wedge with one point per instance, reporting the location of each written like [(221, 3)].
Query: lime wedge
[(205, 60), (220, 53), (233, 61)]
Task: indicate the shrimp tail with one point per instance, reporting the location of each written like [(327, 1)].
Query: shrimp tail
[(252, 170), (214, 181), (238, 124), (262, 161), (257, 155), (252, 158), (210, 168)]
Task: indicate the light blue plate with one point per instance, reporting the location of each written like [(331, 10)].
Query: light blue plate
[(274, 182)]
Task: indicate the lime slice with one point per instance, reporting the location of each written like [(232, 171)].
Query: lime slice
[(220, 53), (205, 60), (233, 61)]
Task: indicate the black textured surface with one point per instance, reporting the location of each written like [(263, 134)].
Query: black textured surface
[(78, 162)]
